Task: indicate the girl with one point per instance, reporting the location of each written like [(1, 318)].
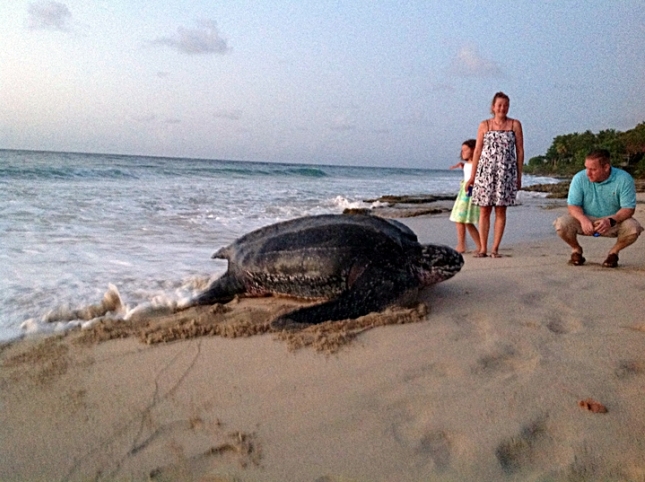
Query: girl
[(464, 213)]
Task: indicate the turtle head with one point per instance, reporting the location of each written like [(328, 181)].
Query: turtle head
[(437, 263)]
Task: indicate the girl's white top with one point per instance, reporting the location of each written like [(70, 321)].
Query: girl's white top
[(468, 170)]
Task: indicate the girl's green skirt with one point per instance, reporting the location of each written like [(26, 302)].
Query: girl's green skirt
[(464, 211)]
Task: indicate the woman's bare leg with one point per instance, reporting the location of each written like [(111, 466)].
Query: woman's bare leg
[(500, 225), (484, 227)]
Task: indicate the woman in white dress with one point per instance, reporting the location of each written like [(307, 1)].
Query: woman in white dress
[(497, 171)]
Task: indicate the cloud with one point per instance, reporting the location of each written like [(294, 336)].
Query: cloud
[(228, 114), (441, 87), (49, 15), (414, 118), (204, 39), (469, 63), (343, 118), (144, 117), (342, 123), (381, 131)]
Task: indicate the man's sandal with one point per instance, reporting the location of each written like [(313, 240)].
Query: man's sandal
[(577, 259), (611, 261)]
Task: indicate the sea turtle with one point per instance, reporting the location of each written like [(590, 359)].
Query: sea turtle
[(356, 263)]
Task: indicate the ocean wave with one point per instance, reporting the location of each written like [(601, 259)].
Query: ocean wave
[(305, 172), (62, 173), (111, 307), (343, 203), (50, 173), (240, 170)]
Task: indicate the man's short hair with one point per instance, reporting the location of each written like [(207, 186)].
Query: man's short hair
[(602, 155)]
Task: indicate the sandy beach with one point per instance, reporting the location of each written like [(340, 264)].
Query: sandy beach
[(493, 376)]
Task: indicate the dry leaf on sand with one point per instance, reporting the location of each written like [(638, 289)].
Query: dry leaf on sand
[(592, 405)]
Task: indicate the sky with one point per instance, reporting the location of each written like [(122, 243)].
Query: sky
[(366, 83)]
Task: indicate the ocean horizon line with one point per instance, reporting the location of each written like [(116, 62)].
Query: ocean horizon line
[(204, 159)]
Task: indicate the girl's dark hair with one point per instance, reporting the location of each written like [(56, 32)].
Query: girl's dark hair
[(470, 143)]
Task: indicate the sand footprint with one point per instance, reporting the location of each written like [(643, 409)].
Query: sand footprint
[(500, 359), (436, 445), (430, 445), (534, 298), (427, 371), (527, 449), (628, 368), (563, 325), (505, 359), (553, 307)]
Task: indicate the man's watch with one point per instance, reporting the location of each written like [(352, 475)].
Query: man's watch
[(612, 222)]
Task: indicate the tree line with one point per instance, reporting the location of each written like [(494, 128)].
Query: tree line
[(567, 153)]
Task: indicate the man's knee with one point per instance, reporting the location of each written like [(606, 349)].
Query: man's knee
[(567, 226), (629, 229)]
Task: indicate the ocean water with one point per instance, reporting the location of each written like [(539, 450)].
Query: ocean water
[(77, 227)]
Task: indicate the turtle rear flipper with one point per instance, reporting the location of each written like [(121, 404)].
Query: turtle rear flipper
[(222, 290), (375, 290)]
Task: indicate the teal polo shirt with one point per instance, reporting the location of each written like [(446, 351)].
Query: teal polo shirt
[(602, 199)]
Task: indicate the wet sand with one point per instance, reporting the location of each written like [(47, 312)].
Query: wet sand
[(483, 380)]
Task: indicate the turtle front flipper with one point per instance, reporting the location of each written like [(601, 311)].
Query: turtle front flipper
[(375, 290)]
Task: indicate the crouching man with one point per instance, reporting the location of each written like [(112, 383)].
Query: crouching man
[(601, 202)]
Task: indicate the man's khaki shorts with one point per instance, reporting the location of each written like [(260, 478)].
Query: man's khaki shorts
[(570, 225)]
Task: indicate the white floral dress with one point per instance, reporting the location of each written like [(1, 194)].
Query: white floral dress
[(496, 177)]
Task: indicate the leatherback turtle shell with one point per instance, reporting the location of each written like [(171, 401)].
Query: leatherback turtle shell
[(313, 257), (359, 263)]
